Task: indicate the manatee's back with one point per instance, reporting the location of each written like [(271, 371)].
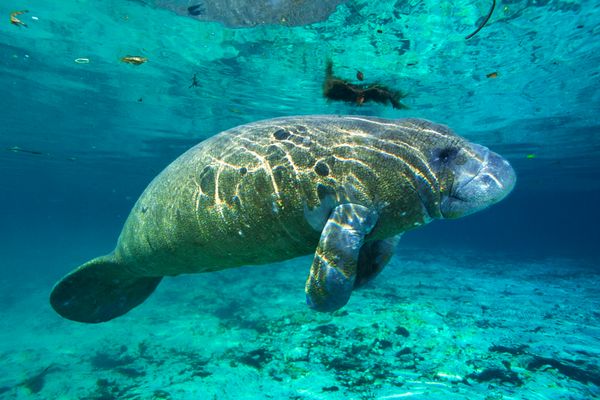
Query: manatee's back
[(235, 199)]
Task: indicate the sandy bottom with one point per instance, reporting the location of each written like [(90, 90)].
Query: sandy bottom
[(443, 326)]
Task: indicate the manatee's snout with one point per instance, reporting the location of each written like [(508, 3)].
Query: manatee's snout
[(483, 180)]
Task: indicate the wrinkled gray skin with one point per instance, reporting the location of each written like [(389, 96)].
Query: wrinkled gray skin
[(247, 13), (342, 187)]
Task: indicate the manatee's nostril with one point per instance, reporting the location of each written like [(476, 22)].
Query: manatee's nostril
[(488, 180)]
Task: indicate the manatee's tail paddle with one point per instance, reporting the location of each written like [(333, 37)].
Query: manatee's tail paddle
[(98, 291)]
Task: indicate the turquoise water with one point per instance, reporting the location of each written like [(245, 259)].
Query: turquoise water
[(499, 305)]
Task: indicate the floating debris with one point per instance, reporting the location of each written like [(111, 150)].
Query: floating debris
[(492, 75), (336, 88), (195, 82), (16, 21), (360, 76), (135, 60), (82, 60), (17, 149), (485, 21)]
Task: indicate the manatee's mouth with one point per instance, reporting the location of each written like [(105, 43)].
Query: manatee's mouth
[(485, 179), (457, 191)]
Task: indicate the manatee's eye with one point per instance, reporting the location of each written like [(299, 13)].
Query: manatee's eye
[(446, 154)]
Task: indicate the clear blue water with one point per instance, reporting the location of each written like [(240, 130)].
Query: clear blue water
[(80, 141)]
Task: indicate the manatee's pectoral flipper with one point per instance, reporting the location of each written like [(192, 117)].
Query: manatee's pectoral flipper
[(99, 291), (334, 267), (373, 257)]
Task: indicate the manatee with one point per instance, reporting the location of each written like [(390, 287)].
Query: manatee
[(342, 187)]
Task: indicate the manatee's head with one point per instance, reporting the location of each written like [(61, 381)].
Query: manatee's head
[(455, 177), (470, 177)]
